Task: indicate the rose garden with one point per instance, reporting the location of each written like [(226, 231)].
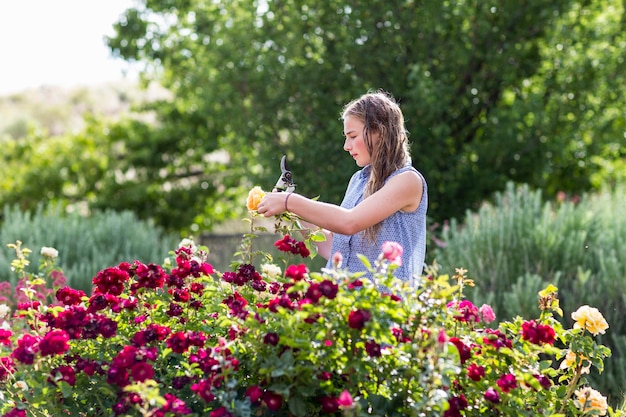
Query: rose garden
[(182, 338)]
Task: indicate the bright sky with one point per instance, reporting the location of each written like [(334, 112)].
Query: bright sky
[(58, 42)]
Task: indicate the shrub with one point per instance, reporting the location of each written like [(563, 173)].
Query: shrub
[(86, 244), (184, 339), (519, 244)]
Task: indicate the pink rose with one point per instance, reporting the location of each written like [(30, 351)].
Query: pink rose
[(392, 251), (345, 400), (337, 259), (487, 313)]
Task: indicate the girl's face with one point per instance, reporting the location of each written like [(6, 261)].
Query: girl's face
[(353, 129)]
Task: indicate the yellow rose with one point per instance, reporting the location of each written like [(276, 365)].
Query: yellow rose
[(571, 361), (591, 319), (255, 196), (588, 399)]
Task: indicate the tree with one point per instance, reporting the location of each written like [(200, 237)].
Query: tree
[(38, 168), (523, 91)]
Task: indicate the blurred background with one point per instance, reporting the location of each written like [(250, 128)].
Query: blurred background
[(127, 125)]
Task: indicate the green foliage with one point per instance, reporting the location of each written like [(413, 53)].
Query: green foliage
[(520, 243), (38, 169), (519, 91), (526, 92), (90, 167), (158, 174), (86, 244)]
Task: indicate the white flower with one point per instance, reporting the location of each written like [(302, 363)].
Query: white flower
[(49, 252), (271, 270), (21, 385), (5, 325), (29, 292), (189, 243), (4, 311)]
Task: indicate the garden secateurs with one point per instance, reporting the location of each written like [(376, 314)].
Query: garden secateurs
[(285, 181)]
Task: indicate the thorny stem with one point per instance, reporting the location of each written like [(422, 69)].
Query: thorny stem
[(249, 242), (246, 244), (572, 386)]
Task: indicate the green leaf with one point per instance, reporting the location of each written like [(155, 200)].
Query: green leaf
[(66, 389), (297, 406), (365, 261)]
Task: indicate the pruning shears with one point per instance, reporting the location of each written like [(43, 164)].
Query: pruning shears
[(285, 181)]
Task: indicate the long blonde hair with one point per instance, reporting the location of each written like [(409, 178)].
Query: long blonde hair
[(381, 114)]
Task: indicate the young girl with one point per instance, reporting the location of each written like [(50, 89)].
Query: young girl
[(385, 201)]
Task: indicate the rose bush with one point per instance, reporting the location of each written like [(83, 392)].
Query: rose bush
[(183, 339)]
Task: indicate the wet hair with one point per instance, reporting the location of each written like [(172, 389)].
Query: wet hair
[(381, 114)]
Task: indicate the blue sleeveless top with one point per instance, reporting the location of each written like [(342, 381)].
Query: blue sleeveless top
[(406, 228)]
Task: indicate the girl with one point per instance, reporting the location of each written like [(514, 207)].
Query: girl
[(385, 201)]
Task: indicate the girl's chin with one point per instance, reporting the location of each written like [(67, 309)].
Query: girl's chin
[(360, 162)]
